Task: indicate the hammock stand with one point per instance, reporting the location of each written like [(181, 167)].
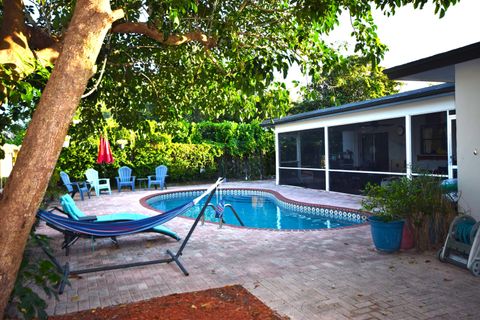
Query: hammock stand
[(172, 256)]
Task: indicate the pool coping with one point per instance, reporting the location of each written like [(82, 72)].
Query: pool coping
[(279, 196)]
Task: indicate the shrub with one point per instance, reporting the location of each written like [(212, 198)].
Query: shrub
[(191, 151), (392, 201), (34, 275), (419, 201), (432, 213), (193, 161)]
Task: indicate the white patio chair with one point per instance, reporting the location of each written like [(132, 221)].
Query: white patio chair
[(96, 183)]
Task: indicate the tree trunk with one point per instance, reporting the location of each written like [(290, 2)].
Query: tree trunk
[(45, 135)]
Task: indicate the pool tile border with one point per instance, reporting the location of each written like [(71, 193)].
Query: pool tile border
[(316, 209)]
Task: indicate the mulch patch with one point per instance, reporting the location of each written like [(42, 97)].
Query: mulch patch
[(230, 302)]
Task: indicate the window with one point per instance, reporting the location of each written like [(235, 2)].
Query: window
[(368, 146), (434, 139), (302, 158), (429, 143), (288, 149), (303, 178), (302, 149), (312, 149), (355, 183)]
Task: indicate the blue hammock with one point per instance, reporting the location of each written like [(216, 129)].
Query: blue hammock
[(110, 229), (113, 229), (118, 228)]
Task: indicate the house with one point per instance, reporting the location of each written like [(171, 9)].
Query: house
[(460, 67), (6, 164), (343, 148)]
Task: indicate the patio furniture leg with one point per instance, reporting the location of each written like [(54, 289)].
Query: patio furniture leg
[(65, 270), (175, 257), (64, 281), (69, 240), (121, 266), (177, 261)]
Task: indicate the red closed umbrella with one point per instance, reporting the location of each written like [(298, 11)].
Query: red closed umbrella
[(108, 152), (101, 150), (104, 152)]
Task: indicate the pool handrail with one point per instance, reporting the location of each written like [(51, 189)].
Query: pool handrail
[(222, 221), (235, 213)]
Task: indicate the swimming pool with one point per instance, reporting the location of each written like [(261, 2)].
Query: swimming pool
[(262, 209)]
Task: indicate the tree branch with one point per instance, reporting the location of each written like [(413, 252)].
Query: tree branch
[(45, 47), (20, 43), (243, 5), (13, 25), (39, 39), (13, 37), (172, 40), (97, 83)]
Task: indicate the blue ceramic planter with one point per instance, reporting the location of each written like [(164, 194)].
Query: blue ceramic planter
[(387, 236)]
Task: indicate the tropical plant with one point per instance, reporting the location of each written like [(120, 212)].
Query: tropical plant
[(34, 274), (432, 212), (390, 201), (420, 201), (18, 98)]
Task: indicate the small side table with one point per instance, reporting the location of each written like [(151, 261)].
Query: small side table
[(142, 181)]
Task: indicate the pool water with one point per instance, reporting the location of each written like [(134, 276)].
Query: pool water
[(263, 211)]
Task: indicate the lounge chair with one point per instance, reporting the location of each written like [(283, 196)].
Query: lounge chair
[(73, 186), (158, 178), (96, 183), (113, 229), (70, 208), (125, 178)]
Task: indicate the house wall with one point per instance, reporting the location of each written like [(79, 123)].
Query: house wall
[(6, 164), (467, 96)]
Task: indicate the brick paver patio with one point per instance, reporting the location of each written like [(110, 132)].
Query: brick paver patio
[(331, 274)]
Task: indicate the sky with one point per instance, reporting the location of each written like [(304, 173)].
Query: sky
[(414, 34)]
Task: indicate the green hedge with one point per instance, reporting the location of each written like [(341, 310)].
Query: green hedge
[(191, 151)]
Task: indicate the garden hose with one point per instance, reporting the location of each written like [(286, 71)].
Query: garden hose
[(463, 232)]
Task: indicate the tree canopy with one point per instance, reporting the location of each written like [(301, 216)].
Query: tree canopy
[(351, 79), (197, 59)]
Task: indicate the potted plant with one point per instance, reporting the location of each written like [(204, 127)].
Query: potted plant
[(390, 204)]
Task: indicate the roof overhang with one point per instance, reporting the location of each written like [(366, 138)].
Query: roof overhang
[(441, 90), (438, 68)]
